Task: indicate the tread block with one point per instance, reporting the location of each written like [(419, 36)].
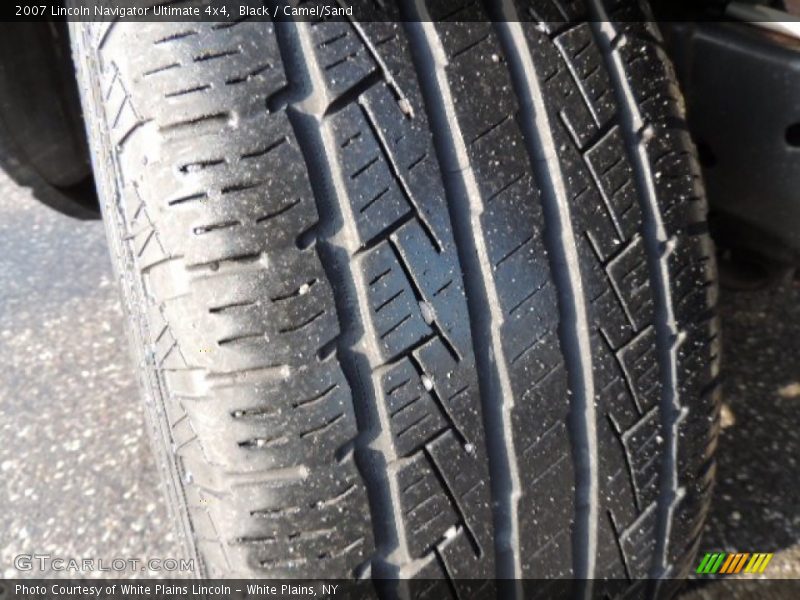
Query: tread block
[(629, 275), (615, 178), (428, 510), (639, 364), (415, 416), (465, 477), (439, 292), (640, 442), (455, 385), (376, 194), (584, 63), (395, 310)]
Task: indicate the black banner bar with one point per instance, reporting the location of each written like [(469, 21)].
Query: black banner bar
[(238, 589), (358, 10)]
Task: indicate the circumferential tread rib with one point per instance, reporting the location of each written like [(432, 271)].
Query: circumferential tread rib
[(465, 205), (231, 434), (398, 275), (338, 245), (574, 325), (635, 129)]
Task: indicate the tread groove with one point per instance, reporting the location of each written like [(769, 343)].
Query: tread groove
[(464, 205), (573, 326)]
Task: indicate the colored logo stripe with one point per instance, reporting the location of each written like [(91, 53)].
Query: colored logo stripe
[(704, 563), (711, 563), (718, 563), (758, 563), (734, 562), (724, 563), (741, 562), (728, 561)]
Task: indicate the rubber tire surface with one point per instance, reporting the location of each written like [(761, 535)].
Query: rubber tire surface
[(421, 300)]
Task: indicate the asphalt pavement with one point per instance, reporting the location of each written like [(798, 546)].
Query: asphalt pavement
[(80, 481), (78, 476)]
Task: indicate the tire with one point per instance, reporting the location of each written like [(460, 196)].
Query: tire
[(420, 300)]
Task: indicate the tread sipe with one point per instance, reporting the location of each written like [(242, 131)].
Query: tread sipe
[(429, 295)]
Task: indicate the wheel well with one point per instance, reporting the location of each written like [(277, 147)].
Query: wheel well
[(42, 138)]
